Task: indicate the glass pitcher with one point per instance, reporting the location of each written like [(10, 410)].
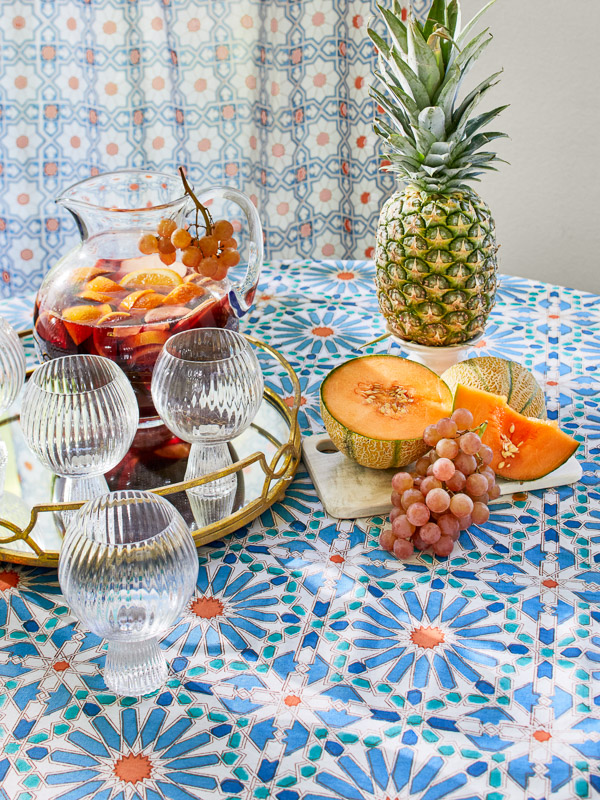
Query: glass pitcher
[(106, 298)]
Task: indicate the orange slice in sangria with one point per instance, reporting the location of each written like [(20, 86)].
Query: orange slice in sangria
[(96, 297), (113, 317), (84, 274), (142, 300), (144, 358), (165, 279), (108, 332), (78, 320), (181, 295), (103, 285), (145, 338), (150, 262)]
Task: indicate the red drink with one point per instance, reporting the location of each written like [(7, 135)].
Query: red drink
[(126, 310)]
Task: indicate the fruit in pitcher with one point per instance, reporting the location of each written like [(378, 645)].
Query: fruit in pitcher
[(523, 448), (103, 285), (436, 246), (113, 318), (142, 300), (85, 274), (145, 338), (499, 376), (431, 505), (51, 329), (164, 279), (102, 289), (183, 294), (165, 315), (376, 409), (78, 319)]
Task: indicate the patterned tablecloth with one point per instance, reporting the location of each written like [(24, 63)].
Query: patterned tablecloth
[(312, 666)]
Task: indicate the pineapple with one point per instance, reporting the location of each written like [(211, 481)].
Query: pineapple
[(436, 246)]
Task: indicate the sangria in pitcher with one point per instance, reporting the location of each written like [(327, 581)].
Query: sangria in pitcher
[(152, 263)]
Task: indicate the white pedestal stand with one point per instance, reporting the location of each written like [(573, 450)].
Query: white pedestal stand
[(438, 359)]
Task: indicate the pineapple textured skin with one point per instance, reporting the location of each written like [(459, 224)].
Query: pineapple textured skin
[(436, 265)]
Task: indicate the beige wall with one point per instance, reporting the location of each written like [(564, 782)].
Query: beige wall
[(547, 202)]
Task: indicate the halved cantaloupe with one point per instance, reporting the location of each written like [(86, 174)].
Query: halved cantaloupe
[(525, 448), (375, 409), (503, 377)]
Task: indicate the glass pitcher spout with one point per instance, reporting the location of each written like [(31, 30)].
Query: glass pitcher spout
[(125, 199)]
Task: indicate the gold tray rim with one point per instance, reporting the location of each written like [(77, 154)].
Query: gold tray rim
[(278, 475)]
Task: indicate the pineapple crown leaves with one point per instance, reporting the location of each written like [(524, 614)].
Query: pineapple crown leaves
[(433, 140)]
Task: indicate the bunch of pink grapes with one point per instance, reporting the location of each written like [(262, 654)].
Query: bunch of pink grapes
[(449, 489)]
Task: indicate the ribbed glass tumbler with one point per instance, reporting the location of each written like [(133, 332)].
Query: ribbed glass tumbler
[(12, 365), (207, 387), (79, 417), (12, 378), (127, 568)]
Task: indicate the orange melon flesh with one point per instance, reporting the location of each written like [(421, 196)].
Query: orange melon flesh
[(431, 398), (541, 446)]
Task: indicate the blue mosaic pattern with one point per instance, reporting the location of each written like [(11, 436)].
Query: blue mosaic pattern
[(269, 97), (311, 665)]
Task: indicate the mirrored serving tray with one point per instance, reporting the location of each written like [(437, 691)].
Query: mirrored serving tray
[(265, 458)]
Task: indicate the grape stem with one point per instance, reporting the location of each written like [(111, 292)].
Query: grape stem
[(199, 207), (480, 429)]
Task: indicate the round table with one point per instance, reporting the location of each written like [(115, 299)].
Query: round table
[(312, 666)]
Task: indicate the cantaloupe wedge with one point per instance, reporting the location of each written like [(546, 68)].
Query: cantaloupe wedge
[(525, 448), (503, 377)]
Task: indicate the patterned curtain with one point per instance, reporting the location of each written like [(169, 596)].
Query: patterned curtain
[(269, 96)]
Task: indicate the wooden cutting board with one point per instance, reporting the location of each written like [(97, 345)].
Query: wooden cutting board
[(348, 491)]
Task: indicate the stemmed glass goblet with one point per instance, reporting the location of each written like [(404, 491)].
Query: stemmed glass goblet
[(79, 417), (207, 387), (12, 378), (127, 567)]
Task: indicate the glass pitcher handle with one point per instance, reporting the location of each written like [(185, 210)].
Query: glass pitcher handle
[(241, 295)]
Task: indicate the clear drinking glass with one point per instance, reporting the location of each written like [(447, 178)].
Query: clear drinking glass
[(12, 365), (12, 378), (127, 568), (207, 387), (79, 417)]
